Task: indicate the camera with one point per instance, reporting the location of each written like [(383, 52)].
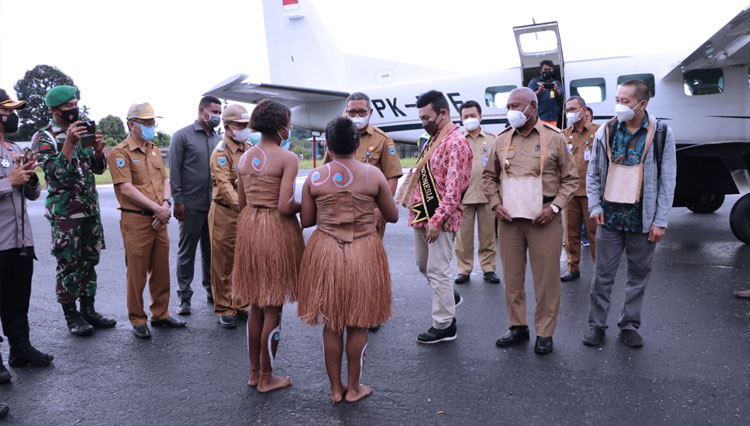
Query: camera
[(549, 86)]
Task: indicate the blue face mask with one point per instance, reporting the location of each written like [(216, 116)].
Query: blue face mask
[(147, 132)]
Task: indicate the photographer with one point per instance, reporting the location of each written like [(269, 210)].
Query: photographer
[(549, 92), (70, 156), (18, 182)]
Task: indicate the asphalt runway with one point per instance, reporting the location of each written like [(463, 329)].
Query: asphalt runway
[(693, 370)]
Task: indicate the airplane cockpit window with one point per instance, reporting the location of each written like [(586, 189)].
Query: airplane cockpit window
[(707, 81), (592, 90), (497, 96), (646, 78)]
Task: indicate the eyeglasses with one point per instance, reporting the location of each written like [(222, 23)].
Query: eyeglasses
[(149, 123), (357, 112)]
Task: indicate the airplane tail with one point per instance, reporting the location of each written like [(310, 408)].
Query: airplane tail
[(302, 53)]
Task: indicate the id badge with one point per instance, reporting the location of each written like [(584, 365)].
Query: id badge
[(570, 148), (484, 161), (587, 155)]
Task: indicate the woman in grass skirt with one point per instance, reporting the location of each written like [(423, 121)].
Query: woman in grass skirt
[(269, 239), (344, 279)]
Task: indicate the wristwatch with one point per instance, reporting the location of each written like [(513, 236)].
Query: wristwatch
[(554, 208), (168, 200)]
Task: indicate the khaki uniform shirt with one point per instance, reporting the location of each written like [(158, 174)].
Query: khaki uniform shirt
[(377, 149), (224, 161), (480, 147), (142, 167), (560, 177), (15, 226), (578, 144)]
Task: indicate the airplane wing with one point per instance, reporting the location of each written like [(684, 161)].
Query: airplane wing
[(237, 88), (729, 46)]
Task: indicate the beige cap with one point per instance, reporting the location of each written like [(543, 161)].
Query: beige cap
[(236, 113), (142, 111)]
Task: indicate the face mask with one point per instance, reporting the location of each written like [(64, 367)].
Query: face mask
[(289, 135), (213, 120), (10, 122), (517, 118), (361, 122), (241, 135), (547, 75), (471, 124), (431, 127), (147, 132), (573, 117), (70, 115), (624, 113), (255, 138)]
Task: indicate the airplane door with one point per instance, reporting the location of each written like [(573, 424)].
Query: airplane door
[(536, 43)]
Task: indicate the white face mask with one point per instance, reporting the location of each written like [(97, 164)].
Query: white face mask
[(360, 122), (241, 135), (573, 117), (471, 124), (517, 118), (624, 113)]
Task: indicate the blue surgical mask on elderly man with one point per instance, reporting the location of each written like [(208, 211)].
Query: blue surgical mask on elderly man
[(147, 132)]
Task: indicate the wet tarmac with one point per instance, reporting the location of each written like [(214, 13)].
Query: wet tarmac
[(693, 369)]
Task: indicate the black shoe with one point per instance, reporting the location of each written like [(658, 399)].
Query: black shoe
[(457, 298), (227, 321), (184, 308), (169, 322), (543, 345), (76, 324), (92, 317), (462, 279), (210, 298), (594, 337), (491, 277), (514, 336), (374, 328), (570, 276), (23, 354), (434, 335), (241, 315), (4, 373), (631, 338), (4, 410), (141, 331)]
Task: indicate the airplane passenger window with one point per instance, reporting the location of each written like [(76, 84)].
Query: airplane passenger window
[(592, 90), (497, 96), (708, 81), (646, 78)]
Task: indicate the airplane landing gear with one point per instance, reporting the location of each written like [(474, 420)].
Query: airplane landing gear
[(739, 219), (707, 203)]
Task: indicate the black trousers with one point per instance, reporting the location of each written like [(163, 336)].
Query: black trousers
[(15, 291)]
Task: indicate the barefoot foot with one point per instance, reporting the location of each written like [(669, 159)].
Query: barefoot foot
[(337, 393), (355, 394), (269, 383), (254, 376)]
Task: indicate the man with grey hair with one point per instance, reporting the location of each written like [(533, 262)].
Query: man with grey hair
[(580, 140), (530, 176)]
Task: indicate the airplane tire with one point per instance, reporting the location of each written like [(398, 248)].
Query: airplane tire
[(708, 203), (739, 219)]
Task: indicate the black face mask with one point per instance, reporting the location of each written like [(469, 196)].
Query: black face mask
[(70, 115), (547, 75), (431, 127), (10, 122)]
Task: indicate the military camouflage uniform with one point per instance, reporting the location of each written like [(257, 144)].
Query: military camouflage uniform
[(72, 208)]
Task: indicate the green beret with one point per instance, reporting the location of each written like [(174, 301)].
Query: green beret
[(59, 95)]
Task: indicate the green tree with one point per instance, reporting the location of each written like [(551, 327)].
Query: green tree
[(162, 139), (113, 130), (32, 88)]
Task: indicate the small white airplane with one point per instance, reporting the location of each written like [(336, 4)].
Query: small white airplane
[(705, 98)]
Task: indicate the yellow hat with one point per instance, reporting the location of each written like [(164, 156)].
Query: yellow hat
[(142, 111), (236, 113), (7, 102)]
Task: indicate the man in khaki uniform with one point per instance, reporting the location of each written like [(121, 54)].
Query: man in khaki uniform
[(476, 205), (580, 141), (375, 146), (142, 189), (222, 216), (527, 200)]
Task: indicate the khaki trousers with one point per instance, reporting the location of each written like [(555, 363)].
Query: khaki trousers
[(434, 262), (576, 212), (222, 227), (544, 244), (146, 258), (465, 239)]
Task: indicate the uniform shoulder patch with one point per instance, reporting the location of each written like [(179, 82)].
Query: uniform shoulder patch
[(391, 149), (222, 161), (120, 162)]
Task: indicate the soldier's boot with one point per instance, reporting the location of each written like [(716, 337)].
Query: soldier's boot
[(76, 324), (23, 354), (92, 317)]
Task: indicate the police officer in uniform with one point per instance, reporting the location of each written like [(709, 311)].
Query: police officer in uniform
[(142, 189), (72, 208), (222, 216), (580, 141), (529, 178), (476, 205)]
